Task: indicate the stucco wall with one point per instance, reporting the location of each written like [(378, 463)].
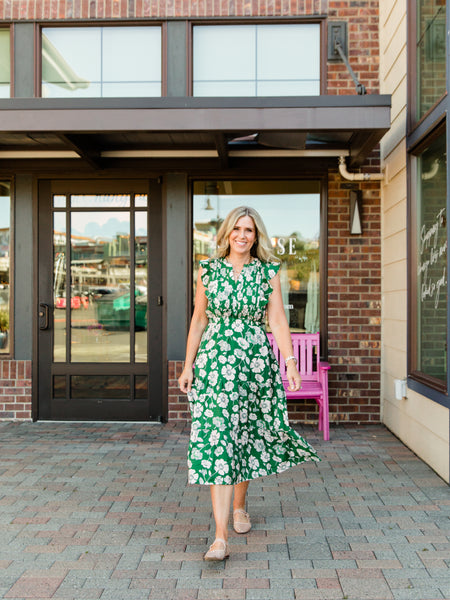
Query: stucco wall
[(420, 423)]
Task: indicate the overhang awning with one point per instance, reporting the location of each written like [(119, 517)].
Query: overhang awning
[(103, 130)]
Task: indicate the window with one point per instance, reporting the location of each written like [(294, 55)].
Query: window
[(428, 105), (101, 61), (5, 64), (430, 258), (5, 251), (430, 54), (257, 60), (291, 213)]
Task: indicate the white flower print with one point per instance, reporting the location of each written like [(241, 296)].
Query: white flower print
[(239, 426), (214, 438), (228, 372), (212, 377), (257, 365), (222, 466)]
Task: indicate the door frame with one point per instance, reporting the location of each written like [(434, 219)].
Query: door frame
[(154, 366)]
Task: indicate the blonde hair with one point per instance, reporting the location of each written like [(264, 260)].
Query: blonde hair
[(262, 248)]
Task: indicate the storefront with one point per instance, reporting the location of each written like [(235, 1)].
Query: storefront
[(117, 171)]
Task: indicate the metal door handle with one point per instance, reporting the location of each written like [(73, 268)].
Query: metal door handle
[(44, 311)]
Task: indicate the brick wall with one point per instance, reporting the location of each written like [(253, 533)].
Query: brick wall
[(15, 390)]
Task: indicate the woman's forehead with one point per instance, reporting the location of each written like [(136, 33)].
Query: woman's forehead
[(245, 221)]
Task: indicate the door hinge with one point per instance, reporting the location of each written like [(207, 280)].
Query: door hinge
[(160, 301)]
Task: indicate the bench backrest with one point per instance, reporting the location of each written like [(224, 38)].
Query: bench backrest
[(307, 352)]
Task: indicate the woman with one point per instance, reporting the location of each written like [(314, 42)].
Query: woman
[(240, 428)]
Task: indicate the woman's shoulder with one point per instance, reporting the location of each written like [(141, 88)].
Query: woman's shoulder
[(271, 268)]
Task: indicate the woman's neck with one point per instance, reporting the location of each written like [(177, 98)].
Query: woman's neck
[(238, 260)]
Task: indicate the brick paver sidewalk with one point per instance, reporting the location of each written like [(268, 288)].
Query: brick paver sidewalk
[(104, 511)]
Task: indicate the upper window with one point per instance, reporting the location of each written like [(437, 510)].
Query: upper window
[(430, 54), (101, 61), (5, 64), (257, 60)]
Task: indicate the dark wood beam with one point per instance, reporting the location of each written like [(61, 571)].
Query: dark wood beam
[(78, 144), (222, 150)]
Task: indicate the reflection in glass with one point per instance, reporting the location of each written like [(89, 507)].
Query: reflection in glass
[(5, 64), (432, 261), (98, 387), (257, 60), (100, 294), (100, 200), (431, 54), (101, 61), (59, 386), (59, 286), (59, 201), (5, 220), (141, 200), (291, 213), (140, 387), (141, 284)]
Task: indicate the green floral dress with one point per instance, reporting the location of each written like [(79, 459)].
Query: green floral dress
[(240, 427)]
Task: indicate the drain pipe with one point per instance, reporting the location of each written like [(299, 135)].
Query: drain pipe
[(357, 176)]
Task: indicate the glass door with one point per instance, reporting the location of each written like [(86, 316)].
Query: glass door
[(100, 355)]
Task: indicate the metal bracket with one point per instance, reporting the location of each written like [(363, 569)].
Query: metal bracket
[(338, 50)]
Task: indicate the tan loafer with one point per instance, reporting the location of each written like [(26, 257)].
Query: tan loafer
[(241, 521), (220, 553)]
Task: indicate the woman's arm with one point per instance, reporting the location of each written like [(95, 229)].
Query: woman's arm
[(198, 323), (280, 329)]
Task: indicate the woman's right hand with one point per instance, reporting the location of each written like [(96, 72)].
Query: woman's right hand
[(185, 380)]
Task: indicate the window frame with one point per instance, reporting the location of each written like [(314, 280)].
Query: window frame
[(53, 25), (419, 135), (314, 20)]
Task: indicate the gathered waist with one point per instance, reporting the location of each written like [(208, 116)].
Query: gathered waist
[(231, 319)]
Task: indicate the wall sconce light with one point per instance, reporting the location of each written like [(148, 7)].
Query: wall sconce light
[(355, 212)]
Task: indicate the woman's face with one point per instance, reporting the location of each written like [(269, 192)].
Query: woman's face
[(243, 236)]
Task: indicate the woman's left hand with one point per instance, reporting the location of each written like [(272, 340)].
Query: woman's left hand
[(295, 381)]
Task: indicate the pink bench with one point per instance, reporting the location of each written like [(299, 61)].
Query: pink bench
[(314, 374)]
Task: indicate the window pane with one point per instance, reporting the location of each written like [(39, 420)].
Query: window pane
[(5, 251), (101, 61), (257, 60), (431, 53), (432, 261), (291, 213), (5, 64)]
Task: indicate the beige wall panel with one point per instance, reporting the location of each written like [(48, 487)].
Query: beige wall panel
[(394, 248), (394, 276), (391, 13), (393, 47), (397, 164), (394, 305), (423, 426), (395, 358), (394, 194), (394, 219)]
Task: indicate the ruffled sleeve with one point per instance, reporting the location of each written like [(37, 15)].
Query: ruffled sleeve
[(271, 269), (205, 264)]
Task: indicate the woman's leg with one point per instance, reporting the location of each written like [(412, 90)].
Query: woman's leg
[(221, 500), (240, 491)]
